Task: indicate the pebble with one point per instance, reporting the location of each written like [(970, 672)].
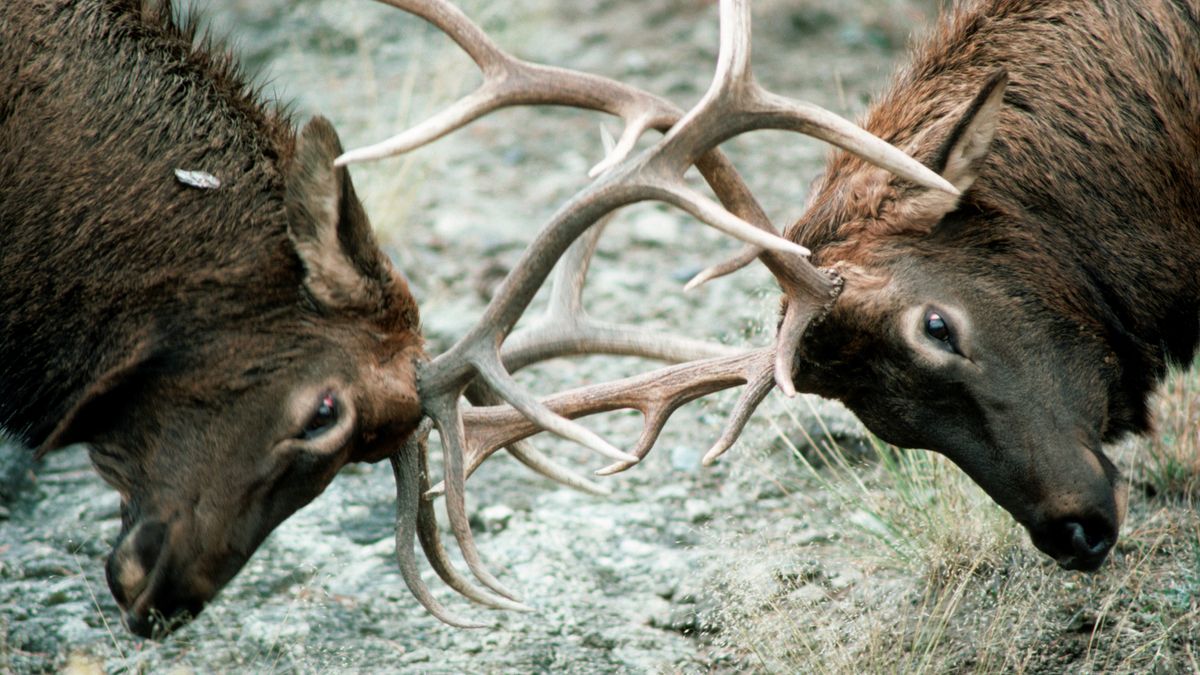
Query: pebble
[(686, 458), (495, 518), (698, 510)]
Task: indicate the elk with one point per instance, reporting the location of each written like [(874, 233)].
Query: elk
[(1014, 320), (1021, 327), (192, 289)]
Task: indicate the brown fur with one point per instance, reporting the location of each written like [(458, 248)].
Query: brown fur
[(186, 335), (1072, 260)]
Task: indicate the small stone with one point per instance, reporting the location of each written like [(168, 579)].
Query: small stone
[(844, 579), (599, 641), (83, 664), (495, 518), (656, 227), (635, 62), (808, 537), (670, 492), (698, 510), (417, 656), (633, 548), (681, 619)]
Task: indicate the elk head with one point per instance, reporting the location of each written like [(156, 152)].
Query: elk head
[(959, 332), (213, 435)]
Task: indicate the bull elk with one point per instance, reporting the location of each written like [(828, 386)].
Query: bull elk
[(192, 289), (1014, 320)]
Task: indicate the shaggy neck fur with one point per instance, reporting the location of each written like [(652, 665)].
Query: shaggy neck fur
[(104, 253)]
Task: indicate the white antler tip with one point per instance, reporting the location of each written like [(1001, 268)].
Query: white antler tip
[(784, 381), (696, 282), (613, 469)]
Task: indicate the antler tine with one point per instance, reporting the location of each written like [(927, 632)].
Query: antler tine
[(756, 390), (447, 417), (431, 543), (566, 329), (655, 394), (408, 501), (509, 81), (528, 455), (733, 263)]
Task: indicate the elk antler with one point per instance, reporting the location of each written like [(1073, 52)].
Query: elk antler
[(734, 104)]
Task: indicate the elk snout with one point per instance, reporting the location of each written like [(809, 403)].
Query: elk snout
[(1078, 529), (1077, 543), (149, 583)]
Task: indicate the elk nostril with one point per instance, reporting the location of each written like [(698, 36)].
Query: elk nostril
[(133, 559), (1088, 542)]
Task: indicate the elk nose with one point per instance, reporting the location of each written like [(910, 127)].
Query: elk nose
[(133, 559), (153, 598), (1083, 544)]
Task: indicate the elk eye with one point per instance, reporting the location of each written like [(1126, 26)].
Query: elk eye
[(324, 416), (937, 328)]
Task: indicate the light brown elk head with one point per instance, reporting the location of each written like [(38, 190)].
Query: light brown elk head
[(955, 334), (1019, 328)]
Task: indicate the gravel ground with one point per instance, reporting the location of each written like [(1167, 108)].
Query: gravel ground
[(620, 584)]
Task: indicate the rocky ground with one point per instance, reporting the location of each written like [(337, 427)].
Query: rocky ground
[(627, 583)]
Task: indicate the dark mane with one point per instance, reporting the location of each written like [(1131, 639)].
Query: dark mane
[(184, 34), (101, 101)]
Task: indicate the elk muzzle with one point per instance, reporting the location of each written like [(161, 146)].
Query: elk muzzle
[(1078, 526), (158, 582)]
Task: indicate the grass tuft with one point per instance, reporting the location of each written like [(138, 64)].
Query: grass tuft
[(1170, 458)]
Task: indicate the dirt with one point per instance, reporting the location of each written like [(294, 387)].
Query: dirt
[(620, 583)]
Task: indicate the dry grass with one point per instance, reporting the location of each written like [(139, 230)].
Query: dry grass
[(1170, 463), (950, 584)]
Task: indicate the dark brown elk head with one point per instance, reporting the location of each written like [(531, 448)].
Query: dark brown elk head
[(959, 330), (215, 438)]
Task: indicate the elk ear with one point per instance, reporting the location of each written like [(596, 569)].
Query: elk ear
[(344, 268), (100, 403), (961, 154)]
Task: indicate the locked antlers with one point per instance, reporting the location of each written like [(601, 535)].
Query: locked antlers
[(480, 364)]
